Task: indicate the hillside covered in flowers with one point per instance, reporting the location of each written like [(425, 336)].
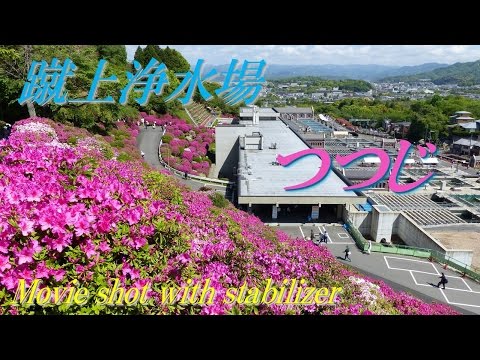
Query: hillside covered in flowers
[(81, 207)]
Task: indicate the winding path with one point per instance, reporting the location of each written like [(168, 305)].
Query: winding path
[(148, 141)]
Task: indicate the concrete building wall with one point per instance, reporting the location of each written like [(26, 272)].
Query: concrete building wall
[(226, 149), (382, 223), (362, 220), (413, 235)]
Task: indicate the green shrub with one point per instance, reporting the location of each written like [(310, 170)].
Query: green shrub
[(117, 143), (72, 140), (218, 200), (120, 134), (107, 152), (166, 139), (123, 157)]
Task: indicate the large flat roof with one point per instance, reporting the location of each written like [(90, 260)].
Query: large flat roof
[(248, 111), (259, 178), (293, 110)]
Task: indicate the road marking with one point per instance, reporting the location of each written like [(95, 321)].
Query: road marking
[(442, 291), (454, 303), (446, 287), (342, 243), (343, 235), (466, 284), (323, 230), (423, 272), (394, 257), (303, 235)]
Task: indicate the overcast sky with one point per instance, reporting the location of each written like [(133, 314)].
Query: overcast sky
[(327, 54)]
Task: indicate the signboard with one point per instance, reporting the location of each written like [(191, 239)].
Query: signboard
[(315, 211)]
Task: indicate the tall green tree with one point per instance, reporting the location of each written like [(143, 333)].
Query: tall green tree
[(15, 61)]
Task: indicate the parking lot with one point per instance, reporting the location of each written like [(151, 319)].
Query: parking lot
[(414, 275), (336, 234), (459, 291)]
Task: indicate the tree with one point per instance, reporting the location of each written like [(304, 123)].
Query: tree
[(14, 65), (115, 54), (172, 59), (139, 55)]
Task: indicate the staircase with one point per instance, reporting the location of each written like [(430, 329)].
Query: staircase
[(200, 114)]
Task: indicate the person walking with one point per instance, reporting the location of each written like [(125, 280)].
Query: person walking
[(185, 175), (325, 237), (347, 254), (143, 154), (312, 234), (443, 281)]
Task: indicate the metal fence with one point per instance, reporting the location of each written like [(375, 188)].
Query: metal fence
[(432, 255)]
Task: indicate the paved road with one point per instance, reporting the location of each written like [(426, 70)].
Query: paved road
[(416, 276), (148, 141)]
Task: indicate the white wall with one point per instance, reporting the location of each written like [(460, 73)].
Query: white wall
[(226, 150), (362, 220), (383, 224), (463, 256), (413, 235)]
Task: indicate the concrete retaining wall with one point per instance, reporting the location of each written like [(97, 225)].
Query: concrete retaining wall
[(413, 235), (362, 220), (463, 256)]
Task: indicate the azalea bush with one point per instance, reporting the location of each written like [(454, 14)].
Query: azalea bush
[(185, 145), (69, 213)]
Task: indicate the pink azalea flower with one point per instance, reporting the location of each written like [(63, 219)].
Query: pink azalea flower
[(4, 263), (42, 272), (103, 246), (25, 256), (89, 249), (26, 226), (82, 227)]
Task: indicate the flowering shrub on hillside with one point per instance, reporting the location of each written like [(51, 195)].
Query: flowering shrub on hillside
[(68, 213), (184, 144)]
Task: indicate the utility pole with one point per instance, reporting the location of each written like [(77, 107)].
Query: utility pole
[(470, 148)]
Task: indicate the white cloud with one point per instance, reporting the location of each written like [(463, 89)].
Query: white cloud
[(327, 54)]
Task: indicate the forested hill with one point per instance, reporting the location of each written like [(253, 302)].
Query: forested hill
[(464, 74)]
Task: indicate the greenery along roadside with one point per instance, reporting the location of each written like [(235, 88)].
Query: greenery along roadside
[(15, 62)]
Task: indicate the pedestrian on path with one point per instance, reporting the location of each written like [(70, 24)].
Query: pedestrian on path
[(443, 281), (347, 254), (312, 234), (185, 175), (143, 154)]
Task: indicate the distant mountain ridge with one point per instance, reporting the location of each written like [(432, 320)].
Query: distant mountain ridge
[(337, 72), (459, 73)]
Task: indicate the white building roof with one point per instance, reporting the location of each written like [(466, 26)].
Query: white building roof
[(467, 142), (431, 160), (471, 125), (371, 160), (260, 178)]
